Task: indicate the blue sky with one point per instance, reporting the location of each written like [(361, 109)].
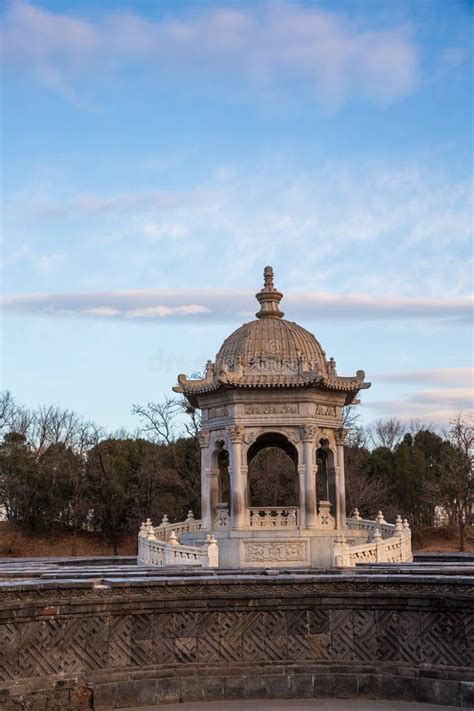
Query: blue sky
[(156, 155)]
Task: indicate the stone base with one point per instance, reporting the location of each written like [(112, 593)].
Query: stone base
[(211, 684), (270, 549)]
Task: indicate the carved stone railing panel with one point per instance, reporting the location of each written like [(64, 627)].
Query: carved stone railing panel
[(395, 549), (152, 551), (274, 517), (390, 550), (222, 518), (165, 529), (386, 529), (325, 518)]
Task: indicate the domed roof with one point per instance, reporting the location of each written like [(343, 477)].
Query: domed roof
[(270, 352), (271, 338), (270, 345)]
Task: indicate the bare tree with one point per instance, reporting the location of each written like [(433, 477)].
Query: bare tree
[(367, 494), (18, 419), (387, 433), (192, 421), (356, 434), (7, 409), (416, 426), (159, 420), (52, 425)]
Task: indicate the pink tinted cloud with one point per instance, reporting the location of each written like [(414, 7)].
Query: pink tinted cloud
[(222, 305)]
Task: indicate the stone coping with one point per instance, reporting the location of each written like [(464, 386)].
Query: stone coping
[(50, 579)]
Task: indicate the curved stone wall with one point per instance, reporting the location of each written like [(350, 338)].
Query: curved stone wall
[(149, 638)]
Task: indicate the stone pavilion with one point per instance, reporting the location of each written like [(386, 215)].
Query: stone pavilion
[(272, 385)]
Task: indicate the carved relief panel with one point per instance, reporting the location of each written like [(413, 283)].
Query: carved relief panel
[(323, 410), (272, 408), (264, 552)]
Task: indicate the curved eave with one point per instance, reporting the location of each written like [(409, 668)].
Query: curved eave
[(349, 386)]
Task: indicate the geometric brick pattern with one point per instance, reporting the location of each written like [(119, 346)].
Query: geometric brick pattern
[(75, 640), (342, 634), (388, 638), (365, 637), (81, 644)]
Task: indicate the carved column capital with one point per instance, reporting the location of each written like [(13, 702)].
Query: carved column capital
[(204, 437), (340, 435), (308, 433), (236, 433)]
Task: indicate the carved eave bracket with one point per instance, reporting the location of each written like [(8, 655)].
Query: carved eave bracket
[(350, 385), (186, 386)]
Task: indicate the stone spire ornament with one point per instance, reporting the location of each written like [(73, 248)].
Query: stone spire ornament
[(269, 297)]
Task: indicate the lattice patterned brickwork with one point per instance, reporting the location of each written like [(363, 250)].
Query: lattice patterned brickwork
[(117, 641)]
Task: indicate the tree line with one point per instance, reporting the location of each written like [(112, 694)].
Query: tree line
[(60, 472), (413, 470)]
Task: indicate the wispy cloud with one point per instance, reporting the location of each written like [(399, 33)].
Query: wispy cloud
[(451, 392), (367, 228), (442, 377), (222, 305), (457, 398), (436, 407), (90, 204), (271, 43)]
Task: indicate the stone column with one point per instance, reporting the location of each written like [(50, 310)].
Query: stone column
[(244, 473), (301, 483), (205, 481), (308, 433), (213, 494), (238, 481), (340, 435)]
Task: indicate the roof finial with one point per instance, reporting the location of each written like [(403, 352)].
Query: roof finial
[(268, 297), (268, 279)]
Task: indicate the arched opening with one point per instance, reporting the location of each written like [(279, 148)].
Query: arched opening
[(272, 474), (224, 480), (326, 476)]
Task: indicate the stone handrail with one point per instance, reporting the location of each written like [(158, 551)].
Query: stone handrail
[(389, 550), (395, 548), (152, 551), (165, 529), (363, 524), (273, 516)]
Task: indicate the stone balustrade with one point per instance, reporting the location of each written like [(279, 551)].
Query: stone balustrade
[(385, 543), (165, 528), (355, 522), (273, 517), (153, 551), (394, 548)]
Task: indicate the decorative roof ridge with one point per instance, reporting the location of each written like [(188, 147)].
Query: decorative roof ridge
[(340, 382)]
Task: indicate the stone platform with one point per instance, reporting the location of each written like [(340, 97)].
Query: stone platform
[(108, 635)]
